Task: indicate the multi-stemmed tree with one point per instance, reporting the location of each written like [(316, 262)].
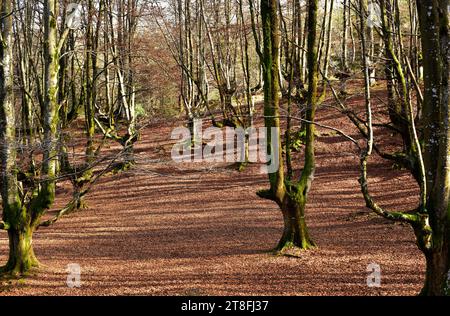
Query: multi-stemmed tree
[(22, 211), (289, 193), (34, 152)]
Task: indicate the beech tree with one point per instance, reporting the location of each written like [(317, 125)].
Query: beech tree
[(289, 193), (71, 71), (22, 218), (34, 146), (429, 145), (434, 27)]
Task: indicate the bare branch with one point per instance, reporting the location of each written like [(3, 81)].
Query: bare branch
[(72, 206), (321, 125)]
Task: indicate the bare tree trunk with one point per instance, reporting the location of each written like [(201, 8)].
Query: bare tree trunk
[(345, 36)]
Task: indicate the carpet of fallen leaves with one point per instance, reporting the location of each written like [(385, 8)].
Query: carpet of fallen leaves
[(199, 229)]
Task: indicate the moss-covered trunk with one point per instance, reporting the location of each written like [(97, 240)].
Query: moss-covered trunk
[(295, 233), (398, 94), (15, 219), (272, 42), (21, 217), (291, 196), (21, 253)]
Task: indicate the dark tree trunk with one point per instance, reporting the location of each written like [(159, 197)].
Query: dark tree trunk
[(434, 25), (437, 273)]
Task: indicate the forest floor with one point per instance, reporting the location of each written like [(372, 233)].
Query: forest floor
[(199, 229)]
